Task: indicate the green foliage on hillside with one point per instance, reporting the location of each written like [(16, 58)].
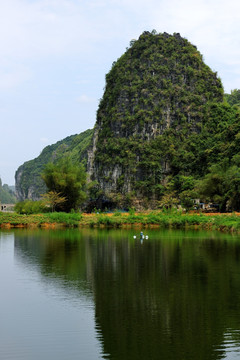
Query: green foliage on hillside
[(233, 98), (197, 162), (67, 181), (7, 196), (29, 184)]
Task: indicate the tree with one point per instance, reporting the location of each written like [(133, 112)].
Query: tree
[(68, 180), (221, 185), (212, 187), (54, 199), (169, 199), (233, 188), (234, 97)]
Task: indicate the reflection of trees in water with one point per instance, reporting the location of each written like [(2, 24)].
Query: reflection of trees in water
[(165, 299), (61, 256)]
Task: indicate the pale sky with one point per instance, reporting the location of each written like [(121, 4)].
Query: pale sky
[(55, 55)]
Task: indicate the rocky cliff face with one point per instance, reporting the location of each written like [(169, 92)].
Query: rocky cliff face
[(26, 188), (156, 96)]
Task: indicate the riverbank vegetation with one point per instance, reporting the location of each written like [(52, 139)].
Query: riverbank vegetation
[(161, 219)]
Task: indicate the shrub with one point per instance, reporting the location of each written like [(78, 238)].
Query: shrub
[(30, 207)]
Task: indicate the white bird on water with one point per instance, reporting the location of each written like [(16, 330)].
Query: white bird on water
[(141, 236)]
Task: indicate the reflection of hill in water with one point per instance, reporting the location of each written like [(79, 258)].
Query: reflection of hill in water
[(60, 256), (163, 299)]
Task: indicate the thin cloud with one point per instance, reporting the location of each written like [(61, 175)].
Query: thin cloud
[(13, 75), (84, 99), (44, 140), (43, 28)]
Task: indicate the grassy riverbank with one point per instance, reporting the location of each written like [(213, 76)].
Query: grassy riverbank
[(223, 222)]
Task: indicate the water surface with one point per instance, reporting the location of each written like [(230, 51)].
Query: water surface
[(98, 294)]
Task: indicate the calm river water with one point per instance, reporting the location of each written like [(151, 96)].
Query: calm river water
[(98, 294)]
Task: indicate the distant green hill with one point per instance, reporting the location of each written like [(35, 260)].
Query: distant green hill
[(29, 184), (7, 195)]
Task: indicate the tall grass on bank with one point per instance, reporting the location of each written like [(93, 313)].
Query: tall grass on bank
[(169, 219), (18, 220), (72, 219)]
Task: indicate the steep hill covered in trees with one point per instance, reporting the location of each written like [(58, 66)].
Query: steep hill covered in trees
[(155, 111), (29, 184)]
